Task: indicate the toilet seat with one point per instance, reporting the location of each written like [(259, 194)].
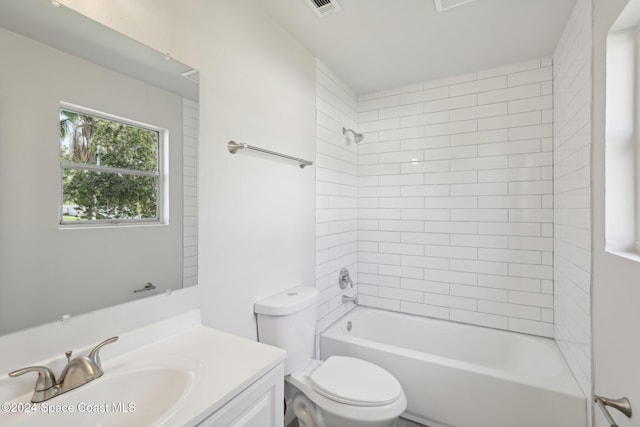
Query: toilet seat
[(354, 382)]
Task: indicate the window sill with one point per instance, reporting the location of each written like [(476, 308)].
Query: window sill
[(627, 253)]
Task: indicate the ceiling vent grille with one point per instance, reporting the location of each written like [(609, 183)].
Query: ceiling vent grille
[(442, 5), (323, 8)]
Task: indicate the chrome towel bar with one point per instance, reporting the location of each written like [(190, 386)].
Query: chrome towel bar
[(623, 405), (233, 147)]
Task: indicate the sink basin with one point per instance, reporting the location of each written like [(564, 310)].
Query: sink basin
[(141, 397)]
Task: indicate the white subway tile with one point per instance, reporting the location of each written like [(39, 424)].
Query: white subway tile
[(425, 167), (531, 215), (511, 310), (424, 95), (479, 189), (376, 302), (425, 238), (508, 175), (530, 160), (425, 262), (531, 76), (485, 267), (402, 202), (430, 214), (379, 191), (512, 147), (401, 248), (451, 202), (479, 241), (400, 111), (425, 143), (483, 85), (424, 190), (511, 202), (376, 279), (395, 180), (451, 177), (403, 133), (401, 225), (378, 236), (379, 103), (483, 137), (510, 255), (425, 119), (509, 283), (379, 125), (489, 110), (531, 187), (451, 103), (401, 271), (425, 286), (385, 169), (531, 298), (402, 89), (509, 69), (476, 318), (530, 270), (509, 229), (489, 294), (509, 94), (424, 310), (510, 121), (451, 301), (530, 132), (479, 214), (456, 227), (531, 104), (468, 151), (531, 243), (459, 252), (400, 294), (451, 128), (462, 278), (448, 81), (479, 163)]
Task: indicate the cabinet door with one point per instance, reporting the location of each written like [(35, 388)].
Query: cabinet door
[(260, 405)]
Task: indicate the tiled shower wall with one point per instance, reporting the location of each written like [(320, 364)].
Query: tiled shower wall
[(336, 171), (572, 222), (455, 198)]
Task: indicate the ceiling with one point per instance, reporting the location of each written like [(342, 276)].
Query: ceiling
[(382, 44)]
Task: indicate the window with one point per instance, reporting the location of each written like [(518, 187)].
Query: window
[(110, 169), (622, 167)]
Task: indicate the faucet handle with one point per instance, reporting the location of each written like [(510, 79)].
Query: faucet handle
[(46, 378), (94, 355)]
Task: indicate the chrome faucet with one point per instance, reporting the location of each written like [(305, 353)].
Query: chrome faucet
[(346, 299), (78, 371)]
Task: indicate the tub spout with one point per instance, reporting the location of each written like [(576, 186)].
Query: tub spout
[(347, 299)]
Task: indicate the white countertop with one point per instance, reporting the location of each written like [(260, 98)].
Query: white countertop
[(219, 366)]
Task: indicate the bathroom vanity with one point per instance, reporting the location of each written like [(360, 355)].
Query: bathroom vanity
[(174, 372)]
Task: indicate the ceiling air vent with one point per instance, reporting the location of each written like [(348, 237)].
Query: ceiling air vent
[(323, 8), (442, 5)]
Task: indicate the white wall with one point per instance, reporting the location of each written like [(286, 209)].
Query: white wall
[(455, 198), (572, 220), (615, 288), (336, 194)]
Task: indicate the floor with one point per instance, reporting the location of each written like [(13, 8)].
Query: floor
[(400, 423)]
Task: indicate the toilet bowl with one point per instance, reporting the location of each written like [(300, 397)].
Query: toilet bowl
[(346, 392), (339, 392)]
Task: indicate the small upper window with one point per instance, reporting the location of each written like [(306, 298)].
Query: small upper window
[(110, 170)]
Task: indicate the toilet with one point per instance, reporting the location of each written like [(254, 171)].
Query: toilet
[(338, 392)]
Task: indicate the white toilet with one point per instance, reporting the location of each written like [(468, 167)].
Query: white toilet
[(339, 392)]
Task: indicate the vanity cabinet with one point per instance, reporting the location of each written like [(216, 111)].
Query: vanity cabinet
[(259, 405)]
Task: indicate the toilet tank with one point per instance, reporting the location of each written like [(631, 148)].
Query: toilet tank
[(288, 320)]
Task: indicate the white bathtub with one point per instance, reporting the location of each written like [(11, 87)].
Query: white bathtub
[(457, 375)]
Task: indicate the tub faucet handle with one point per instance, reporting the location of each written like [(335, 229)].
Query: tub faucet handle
[(344, 279)]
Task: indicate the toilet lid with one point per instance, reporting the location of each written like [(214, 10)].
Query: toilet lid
[(354, 382)]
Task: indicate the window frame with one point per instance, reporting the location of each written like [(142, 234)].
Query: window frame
[(161, 173)]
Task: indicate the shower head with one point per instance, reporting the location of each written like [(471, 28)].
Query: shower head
[(357, 137)]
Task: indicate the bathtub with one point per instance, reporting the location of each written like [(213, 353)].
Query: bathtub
[(457, 375)]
